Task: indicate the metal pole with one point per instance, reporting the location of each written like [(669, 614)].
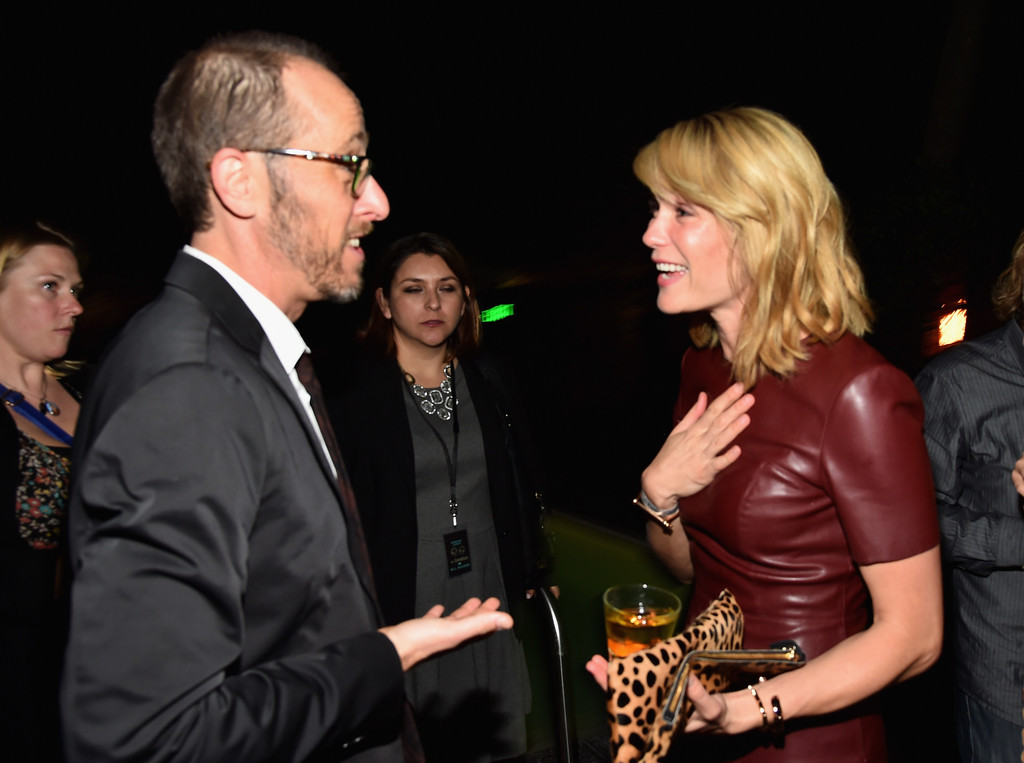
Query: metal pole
[(564, 718)]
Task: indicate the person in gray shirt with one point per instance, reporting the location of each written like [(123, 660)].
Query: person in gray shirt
[(974, 427)]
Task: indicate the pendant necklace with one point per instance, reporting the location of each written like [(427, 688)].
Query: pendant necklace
[(13, 397)]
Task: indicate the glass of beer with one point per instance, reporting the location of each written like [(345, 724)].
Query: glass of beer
[(637, 616)]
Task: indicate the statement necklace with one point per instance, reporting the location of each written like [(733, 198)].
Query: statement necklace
[(13, 397), (434, 401)]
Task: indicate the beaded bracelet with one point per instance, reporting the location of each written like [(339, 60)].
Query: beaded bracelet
[(764, 715)]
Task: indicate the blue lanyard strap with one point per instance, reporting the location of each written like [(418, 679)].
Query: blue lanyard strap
[(16, 400)]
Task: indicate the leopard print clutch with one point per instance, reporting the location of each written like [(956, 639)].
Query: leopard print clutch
[(646, 690)]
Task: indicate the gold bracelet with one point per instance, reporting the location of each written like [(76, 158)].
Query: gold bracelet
[(764, 715), (662, 516)]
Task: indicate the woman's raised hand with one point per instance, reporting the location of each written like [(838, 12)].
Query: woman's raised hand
[(698, 448)]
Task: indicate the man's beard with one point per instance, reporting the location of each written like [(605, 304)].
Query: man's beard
[(289, 233)]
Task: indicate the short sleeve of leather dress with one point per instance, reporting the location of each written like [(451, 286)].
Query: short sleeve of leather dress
[(833, 474)]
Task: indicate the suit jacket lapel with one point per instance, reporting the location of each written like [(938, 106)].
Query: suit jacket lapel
[(231, 312), (223, 302)]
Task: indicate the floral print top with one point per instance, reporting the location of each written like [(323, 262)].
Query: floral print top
[(42, 495)]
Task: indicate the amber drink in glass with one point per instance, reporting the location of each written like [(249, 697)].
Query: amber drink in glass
[(637, 616)]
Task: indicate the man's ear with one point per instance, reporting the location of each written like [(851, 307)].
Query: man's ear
[(382, 303), (238, 183)]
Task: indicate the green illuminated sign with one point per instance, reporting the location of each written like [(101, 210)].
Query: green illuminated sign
[(497, 312)]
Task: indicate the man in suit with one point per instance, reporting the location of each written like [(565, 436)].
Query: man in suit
[(222, 604), (973, 397)]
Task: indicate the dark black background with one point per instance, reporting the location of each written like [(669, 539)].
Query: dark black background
[(511, 129)]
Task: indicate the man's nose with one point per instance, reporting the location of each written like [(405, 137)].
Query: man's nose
[(373, 202)]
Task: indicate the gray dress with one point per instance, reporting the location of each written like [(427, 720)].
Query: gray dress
[(471, 702)]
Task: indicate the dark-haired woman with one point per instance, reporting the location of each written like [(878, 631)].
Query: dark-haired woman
[(428, 447)]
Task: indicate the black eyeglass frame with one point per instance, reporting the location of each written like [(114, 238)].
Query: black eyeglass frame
[(361, 167)]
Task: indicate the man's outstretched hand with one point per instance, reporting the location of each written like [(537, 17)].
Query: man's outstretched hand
[(416, 640)]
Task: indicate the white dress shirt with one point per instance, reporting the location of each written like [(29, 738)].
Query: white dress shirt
[(284, 338)]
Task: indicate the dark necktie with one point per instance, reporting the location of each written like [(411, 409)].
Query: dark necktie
[(304, 369), (411, 748), (360, 556)]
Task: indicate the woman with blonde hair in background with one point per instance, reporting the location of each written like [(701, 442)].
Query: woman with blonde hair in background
[(39, 291)]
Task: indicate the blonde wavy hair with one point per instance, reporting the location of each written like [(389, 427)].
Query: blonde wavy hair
[(1008, 293), (761, 177)]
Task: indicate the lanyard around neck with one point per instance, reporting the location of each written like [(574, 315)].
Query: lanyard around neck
[(16, 400)]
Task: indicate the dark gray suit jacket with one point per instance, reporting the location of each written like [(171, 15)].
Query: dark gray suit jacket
[(216, 611)]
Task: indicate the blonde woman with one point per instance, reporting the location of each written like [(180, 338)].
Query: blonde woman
[(39, 289), (797, 475)]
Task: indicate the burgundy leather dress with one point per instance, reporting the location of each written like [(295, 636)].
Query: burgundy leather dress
[(833, 474)]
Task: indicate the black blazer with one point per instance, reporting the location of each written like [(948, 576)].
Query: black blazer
[(376, 440), (216, 611)]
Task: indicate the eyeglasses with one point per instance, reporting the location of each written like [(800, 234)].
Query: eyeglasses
[(360, 166)]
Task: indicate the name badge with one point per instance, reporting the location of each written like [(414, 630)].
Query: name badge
[(456, 546)]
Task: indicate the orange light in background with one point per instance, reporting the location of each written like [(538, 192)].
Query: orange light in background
[(953, 325)]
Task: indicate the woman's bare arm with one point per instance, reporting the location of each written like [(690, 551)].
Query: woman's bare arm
[(673, 548), (904, 640)]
